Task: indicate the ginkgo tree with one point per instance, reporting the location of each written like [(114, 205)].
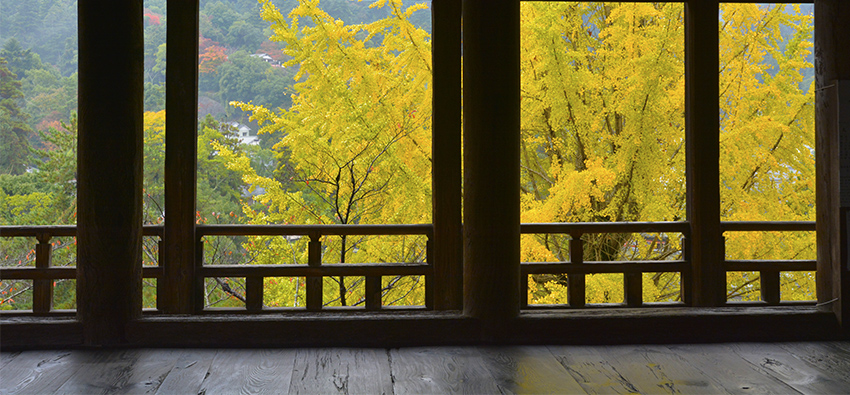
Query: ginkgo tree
[(767, 159), (603, 136), (602, 139), (356, 145)]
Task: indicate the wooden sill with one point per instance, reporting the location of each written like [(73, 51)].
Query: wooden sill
[(430, 328)]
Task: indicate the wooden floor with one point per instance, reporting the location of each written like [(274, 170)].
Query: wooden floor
[(775, 368)]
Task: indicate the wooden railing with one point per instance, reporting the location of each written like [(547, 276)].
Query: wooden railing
[(770, 270), (43, 275), (314, 270), (576, 268)]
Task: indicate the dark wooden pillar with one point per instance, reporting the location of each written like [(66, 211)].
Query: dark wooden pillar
[(702, 135), (181, 156), (446, 153), (491, 121), (832, 139), (109, 165)]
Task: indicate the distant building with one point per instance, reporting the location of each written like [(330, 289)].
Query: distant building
[(266, 58), (243, 133)]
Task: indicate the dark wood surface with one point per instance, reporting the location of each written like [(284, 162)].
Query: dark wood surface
[(832, 166), (491, 161), (446, 151), (730, 368), (702, 141), (109, 168)]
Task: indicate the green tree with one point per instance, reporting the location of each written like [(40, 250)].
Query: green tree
[(14, 131)]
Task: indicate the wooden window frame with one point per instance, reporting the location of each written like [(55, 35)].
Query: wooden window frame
[(464, 264)]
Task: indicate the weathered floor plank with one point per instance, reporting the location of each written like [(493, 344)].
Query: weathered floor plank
[(39, 372), (832, 362), (249, 372), (738, 376), (737, 368), (135, 371), (341, 370), (792, 371), (441, 370), (188, 372), (528, 370), (7, 357), (656, 370), (592, 370)]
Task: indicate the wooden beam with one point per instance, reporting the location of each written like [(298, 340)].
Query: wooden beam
[(491, 120), (446, 154), (181, 157), (109, 165), (832, 144), (702, 136)]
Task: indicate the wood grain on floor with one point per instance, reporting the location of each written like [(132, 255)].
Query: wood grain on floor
[(736, 368)]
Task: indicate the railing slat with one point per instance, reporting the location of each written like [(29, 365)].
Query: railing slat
[(42, 292), (314, 282), (430, 275), (254, 293), (373, 292), (770, 293), (633, 289), (576, 295)]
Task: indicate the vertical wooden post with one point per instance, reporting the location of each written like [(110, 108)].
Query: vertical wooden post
[(576, 294), (686, 277), (446, 154), (832, 144), (491, 121), (373, 293), (633, 289), (702, 135), (770, 292), (314, 283), (181, 155), (198, 286), (254, 293), (430, 287), (109, 166), (42, 294), (160, 281)]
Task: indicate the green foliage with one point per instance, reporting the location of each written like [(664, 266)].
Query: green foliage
[(346, 137), (14, 131)]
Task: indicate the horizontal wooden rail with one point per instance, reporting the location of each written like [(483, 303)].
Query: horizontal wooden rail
[(308, 230), (603, 267), (60, 273), (315, 270), (576, 269), (767, 226), (769, 270), (787, 265), (43, 274), (345, 269), (62, 230), (604, 227)]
